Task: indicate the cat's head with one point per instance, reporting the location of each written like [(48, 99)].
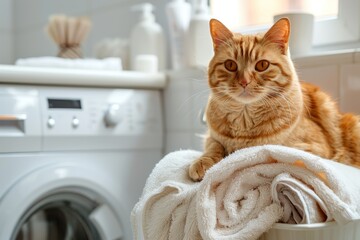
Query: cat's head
[(249, 68)]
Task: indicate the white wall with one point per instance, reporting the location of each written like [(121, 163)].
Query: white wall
[(6, 33), (110, 19), (185, 98)]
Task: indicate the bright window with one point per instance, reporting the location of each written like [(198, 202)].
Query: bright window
[(336, 21), (239, 13)]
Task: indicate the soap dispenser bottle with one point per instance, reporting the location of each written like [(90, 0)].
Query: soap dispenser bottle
[(199, 43), (178, 14), (147, 37)]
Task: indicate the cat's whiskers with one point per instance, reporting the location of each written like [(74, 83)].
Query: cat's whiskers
[(267, 98), (304, 105), (235, 92), (283, 97), (196, 95), (268, 103), (225, 100), (202, 93), (280, 103)]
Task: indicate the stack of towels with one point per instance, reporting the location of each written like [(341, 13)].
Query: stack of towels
[(242, 196), (108, 64)]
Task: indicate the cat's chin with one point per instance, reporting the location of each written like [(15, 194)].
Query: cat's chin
[(246, 98)]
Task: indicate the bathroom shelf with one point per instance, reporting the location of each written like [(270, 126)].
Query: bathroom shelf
[(75, 77)]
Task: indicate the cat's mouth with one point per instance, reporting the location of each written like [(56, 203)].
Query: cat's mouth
[(246, 96), (246, 93)]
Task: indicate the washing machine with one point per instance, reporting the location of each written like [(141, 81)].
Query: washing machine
[(74, 160)]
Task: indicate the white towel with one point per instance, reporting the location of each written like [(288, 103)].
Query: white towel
[(113, 64), (167, 208), (243, 195)]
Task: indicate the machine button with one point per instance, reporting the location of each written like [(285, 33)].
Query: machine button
[(75, 122), (113, 115), (50, 122)]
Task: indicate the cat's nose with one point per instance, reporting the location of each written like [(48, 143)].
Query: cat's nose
[(243, 82)]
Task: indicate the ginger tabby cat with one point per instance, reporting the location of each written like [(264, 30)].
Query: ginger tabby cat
[(256, 99)]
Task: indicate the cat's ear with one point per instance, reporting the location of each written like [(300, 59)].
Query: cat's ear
[(219, 33), (279, 34)]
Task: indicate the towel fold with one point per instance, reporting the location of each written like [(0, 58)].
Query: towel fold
[(113, 64), (243, 195), (167, 207)]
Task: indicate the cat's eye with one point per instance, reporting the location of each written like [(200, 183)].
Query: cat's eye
[(230, 65), (262, 65)]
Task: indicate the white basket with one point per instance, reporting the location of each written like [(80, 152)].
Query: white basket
[(318, 231)]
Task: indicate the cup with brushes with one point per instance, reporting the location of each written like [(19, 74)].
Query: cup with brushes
[(68, 33)]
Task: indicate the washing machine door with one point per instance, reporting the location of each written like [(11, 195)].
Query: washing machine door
[(67, 216), (60, 203)]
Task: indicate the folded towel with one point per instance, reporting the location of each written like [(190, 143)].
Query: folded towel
[(77, 63), (167, 208), (243, 195)]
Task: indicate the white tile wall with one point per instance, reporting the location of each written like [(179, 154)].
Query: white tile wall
[(33, 42), (110, 19), (30, 20), (178, 104), (69, 7), (111, 22), (200, 94), (98, 4), (198, 139), (184, 100), (176, 140), (27, 14), (6, 47), (5, 15), (6, 33)]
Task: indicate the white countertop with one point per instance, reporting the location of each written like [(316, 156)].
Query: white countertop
[(75, 77)]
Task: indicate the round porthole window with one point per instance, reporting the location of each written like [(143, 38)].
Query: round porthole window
[(62, 216)]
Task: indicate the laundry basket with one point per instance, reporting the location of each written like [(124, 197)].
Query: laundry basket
[(318, 231)]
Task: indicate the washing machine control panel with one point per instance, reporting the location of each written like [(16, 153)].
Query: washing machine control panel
[(37, 118), (100, 118)]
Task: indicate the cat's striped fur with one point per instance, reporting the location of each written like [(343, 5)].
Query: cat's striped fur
[(256, 99)]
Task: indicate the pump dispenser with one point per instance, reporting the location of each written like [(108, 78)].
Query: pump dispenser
[(146, 10), (199, 43), (147, 37)]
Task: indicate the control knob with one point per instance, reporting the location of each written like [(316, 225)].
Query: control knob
[(113, 115)]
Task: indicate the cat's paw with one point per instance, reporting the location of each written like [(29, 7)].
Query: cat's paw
[(198, 168)]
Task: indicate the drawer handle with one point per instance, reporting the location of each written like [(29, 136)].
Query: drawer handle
[(13, 117)]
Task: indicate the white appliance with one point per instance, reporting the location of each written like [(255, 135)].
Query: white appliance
[(74, 160)]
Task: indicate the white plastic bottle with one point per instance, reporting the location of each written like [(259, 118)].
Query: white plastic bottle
[(178, 15), (147, 37), (199, 43)]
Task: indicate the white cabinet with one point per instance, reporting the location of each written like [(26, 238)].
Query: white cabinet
[(326, 77), (350, 88)]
